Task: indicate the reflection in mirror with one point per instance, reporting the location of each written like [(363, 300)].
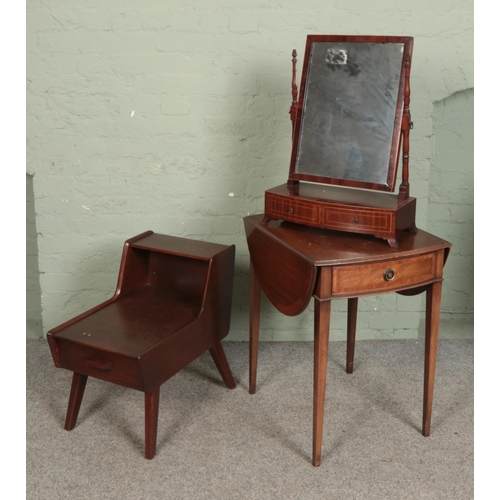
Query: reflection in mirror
[(349, 120)]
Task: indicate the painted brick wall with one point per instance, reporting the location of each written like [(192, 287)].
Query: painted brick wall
[(173, 116), (451, 204), (33, 293)]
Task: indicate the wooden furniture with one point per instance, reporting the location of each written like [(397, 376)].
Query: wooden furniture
[(292, 263), (172, 303), (351, 124)]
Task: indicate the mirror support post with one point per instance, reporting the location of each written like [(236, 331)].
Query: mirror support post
[(293, 107), (404, 188)]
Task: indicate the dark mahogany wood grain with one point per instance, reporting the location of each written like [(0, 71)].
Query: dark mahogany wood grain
[(151, 408), (294, 105), (351, 210), (347, 266), (220, 360), (321, 247), (255, 300), (404, 188), (321, 337), (287, 280), (352, 314), (172, 303), (407, 41), (433, 306), (307, 201), (78, 384)]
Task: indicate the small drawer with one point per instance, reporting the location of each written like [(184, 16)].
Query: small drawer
[(400, 274), (357, 220), (292, 210), (112, 367)]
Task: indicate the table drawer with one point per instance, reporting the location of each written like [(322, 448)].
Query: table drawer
[(292, 210), (112, 367), (396, 274), (357, 220)]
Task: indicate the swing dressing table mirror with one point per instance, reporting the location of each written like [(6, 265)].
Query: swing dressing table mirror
[(350, 128)]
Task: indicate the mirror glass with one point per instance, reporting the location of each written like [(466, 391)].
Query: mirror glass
[(349, 122)]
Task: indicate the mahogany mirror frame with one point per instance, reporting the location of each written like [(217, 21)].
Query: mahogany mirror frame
[(400, 123)]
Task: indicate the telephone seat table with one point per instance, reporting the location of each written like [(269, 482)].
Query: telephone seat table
[(292, 263), (172, 303)]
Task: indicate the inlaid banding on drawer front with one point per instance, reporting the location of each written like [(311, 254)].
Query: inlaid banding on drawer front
[(384, 275), (292, 210), (362, 219)]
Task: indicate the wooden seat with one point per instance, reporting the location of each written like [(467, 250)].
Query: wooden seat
[(172, 303)]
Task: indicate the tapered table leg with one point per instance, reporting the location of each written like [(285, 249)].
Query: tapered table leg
[(321, 336), (433, 307), (255, 299), (151, 405), (352, 313), (220, 360), (75, 399)]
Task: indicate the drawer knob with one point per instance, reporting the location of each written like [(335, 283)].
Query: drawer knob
[(290, 211), (356, 221), (389, 275)]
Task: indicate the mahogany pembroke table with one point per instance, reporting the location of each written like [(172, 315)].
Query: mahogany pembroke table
[(292, 263)]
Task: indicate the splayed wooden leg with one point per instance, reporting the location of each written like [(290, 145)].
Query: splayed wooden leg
[(220, 360), (75, 399), (151, 404)]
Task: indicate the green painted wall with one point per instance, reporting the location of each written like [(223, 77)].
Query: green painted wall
[(451, 205), (33, 292), (173, 116)]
